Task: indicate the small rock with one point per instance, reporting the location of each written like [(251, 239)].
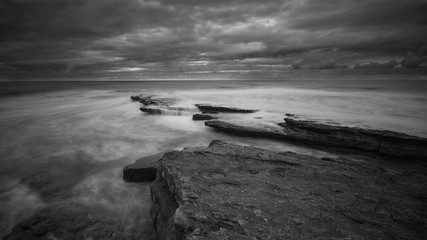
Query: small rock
[(258, 212), (143, 170), (135, 98), (151, 110), (198, 117)]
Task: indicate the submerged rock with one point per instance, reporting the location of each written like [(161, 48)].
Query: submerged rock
[(175, 111), (55, 178), (69, 221), (135, 98), (198, 117), (310, 132), (143, 170), (225, 109), (151, 110), (227, 191)]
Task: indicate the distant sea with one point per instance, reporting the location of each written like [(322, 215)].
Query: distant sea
[(48, 128)]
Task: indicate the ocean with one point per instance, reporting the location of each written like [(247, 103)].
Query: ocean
[(68, 141)]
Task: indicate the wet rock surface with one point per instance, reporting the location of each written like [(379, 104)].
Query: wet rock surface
[(314, 133), (385, 142), (201, 117), (225, 109), (242, 130), (69, 221), (151, 110), (143, 170), (160, 105), (227, 191), (148, 100), (166, 110)]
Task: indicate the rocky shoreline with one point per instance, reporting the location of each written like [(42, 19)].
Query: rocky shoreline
[(228, 191)]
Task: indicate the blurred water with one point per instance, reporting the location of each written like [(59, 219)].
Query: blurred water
[(63, 141)]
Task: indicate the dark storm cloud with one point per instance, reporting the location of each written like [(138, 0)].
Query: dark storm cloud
[(331, 14), (59, 19), (101, 35)]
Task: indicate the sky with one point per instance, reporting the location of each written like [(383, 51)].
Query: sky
[(175, 38)]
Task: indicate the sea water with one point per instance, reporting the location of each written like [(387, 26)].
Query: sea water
[(55, 130)]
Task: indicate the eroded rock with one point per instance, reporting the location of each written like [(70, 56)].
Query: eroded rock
[(227, 191), (200, 117), (381, 141), (135, 98), (225, 109), (310, 132), (148, 100), (245, 130), (161, 106)]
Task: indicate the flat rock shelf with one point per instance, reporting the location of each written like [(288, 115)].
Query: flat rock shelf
[(227, 191)]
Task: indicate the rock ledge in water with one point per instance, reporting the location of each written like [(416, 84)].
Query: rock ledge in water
[(225, 109), (143, 170), (152, 100), (381, 141), (200, 117), (310, 132), (227, 191)]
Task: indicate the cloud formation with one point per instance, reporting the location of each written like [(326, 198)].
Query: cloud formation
[(390, 64), (90, 36)]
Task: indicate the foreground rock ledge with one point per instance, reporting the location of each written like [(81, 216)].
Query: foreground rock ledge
[(227, 191)]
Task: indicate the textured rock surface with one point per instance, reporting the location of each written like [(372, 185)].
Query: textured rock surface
[(209, 112), (199, 117), (177, 111), (226, 109), (161, 105), (151, 110), (143, 170), (309, 132), (69, 221), (387, 142), (227, 191), (148, 100), (247, 130)]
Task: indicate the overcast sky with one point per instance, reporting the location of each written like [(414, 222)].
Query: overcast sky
[(113, 36)]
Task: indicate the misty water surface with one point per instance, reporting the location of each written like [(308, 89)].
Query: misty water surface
[(68, 141)]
